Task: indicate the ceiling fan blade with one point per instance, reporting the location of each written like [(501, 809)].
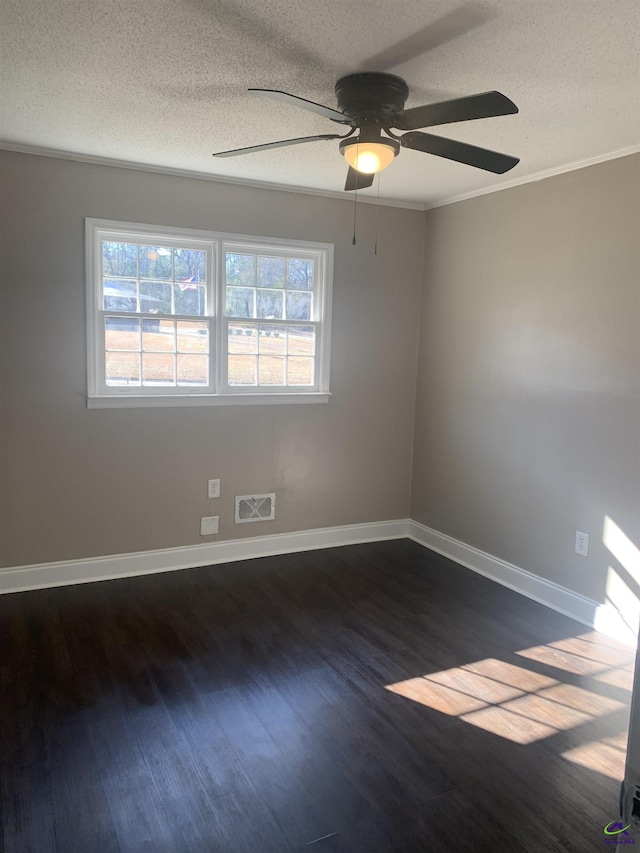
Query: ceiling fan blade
[(295, 101), (461, 152), (358, 180), (281, 144), (484, 105)]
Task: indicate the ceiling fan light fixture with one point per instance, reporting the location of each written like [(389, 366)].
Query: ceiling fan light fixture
[(372, 102), (369, 157)]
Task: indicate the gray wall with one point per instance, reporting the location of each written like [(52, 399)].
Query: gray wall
[(527, 412), (77, 483)]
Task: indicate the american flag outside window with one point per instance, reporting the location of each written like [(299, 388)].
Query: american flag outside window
[(189, 283)]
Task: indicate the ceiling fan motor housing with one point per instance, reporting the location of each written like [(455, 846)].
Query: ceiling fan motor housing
[(371, 96)]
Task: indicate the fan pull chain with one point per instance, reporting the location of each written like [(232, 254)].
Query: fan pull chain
[(375, 245), (355, 199)]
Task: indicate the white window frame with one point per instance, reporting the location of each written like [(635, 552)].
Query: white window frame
[(215, 244)]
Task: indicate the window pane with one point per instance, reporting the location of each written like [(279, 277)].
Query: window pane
[(270, 370), (272, 339), (299, 274), (270, 272), (242, 369), (301, 340), (242, 338), (120, 295), (193, 370), (158, 368), (119, 259), (155, 262), (155, 297), (299, 370), (298, 306), (269, 304), (122, 368), (240, 269), (193, 337), (240, 302), (158, 336), (190, 299), (161, 300), (122, 333), (189, 265)]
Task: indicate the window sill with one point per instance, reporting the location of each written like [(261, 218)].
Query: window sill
[(188, 400)]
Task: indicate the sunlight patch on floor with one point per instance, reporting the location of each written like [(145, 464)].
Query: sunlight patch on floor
[(562, 659), (523, 705), (606, 756), (514, 726), (596, 638), (621, 677)]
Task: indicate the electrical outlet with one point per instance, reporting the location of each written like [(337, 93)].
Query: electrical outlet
[(209, 525), (214, 489), (582, 543)]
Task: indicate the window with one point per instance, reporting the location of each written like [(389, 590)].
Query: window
[(181, 317)]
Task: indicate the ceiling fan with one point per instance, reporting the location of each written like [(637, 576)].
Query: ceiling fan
[(372, 103)]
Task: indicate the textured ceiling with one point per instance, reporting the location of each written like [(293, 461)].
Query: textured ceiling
[(163, 82)]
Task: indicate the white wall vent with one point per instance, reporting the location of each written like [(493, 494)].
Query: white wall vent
[(255, 508)]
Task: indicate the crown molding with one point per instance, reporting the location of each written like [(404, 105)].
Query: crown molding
[(537, 176), (340, 196), (202, 176)]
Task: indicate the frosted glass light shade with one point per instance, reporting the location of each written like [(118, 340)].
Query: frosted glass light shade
[(369, 157)]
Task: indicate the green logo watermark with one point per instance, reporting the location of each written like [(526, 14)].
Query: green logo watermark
[(617, 833)]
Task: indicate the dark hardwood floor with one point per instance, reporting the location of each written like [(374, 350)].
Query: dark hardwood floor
[(368, 698)]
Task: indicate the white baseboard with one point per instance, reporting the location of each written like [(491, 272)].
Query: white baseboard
[(43, 575), (602, 617)]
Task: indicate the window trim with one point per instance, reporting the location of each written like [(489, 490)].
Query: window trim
[(100, 395)]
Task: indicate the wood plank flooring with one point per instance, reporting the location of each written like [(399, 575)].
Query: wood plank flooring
[(368, 699)]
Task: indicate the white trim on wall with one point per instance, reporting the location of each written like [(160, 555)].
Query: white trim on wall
[(202, 176), (538, 176), (341, 196), (43, 575), (602, 617)]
